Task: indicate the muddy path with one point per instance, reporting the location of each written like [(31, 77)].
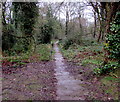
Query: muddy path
[(52, 80), (36, 81), (68, 88), (77, 82)]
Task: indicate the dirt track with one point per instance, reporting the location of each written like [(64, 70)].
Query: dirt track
[(52, 80), (34, 82)]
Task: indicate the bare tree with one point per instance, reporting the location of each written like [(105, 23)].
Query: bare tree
[(95, 24)]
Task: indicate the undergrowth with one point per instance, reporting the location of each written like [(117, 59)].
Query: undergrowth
[(92, 56), (42, 53)]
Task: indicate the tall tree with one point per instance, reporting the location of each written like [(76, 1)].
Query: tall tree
[(106, 12), (111, 9), (95, 24), (25, 16)]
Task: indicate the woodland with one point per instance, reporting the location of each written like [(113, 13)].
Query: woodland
[(90, 40)]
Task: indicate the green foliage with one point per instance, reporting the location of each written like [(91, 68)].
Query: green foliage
[(15, 61), (83, 55), (17, 34), (24, 56), (20, 46), (44, 51), (109, 78), (25, 13), (113, 39), (111, 83), (69, 54), (58, 29), (67, 43), (91, 61), (110, 67), (24, 19), (113, 47), (7, 39), (46, 31)]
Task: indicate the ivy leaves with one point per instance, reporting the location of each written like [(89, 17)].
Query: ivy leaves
[(113, 39), (25, 16), (113, 47)]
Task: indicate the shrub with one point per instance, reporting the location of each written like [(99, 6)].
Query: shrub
[(113, 39), (46, 35), (7, 38), (112, 47), (110, 67), (67, 43)]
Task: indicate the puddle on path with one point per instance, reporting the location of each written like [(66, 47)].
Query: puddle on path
[(68, 88)]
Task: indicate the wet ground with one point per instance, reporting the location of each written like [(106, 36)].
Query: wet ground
[(36, 81), (52, 80), (77, 82), (91, 83), (68, 88)]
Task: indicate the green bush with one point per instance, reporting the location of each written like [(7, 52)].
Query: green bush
[(67, 43), (44, 51), (113, 39), (112, 46), (46, 34), (110, 67), (7, 38)]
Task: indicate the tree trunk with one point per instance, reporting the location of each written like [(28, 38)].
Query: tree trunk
[(81, 28), (111, 10), (100, 30), (67, 21), (3, 13), (95, 25), (99, 36)]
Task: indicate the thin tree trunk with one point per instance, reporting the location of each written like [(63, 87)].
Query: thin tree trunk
[(100, 30), (95, 25), (3, 13), (67, 21), (81, 29)]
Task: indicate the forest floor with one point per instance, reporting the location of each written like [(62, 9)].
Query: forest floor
[(50, 80), (36, 81)]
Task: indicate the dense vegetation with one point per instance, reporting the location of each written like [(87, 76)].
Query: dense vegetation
[(28, 24), (30, 27)]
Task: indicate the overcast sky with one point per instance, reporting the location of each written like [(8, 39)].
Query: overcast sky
[(88, 14)]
